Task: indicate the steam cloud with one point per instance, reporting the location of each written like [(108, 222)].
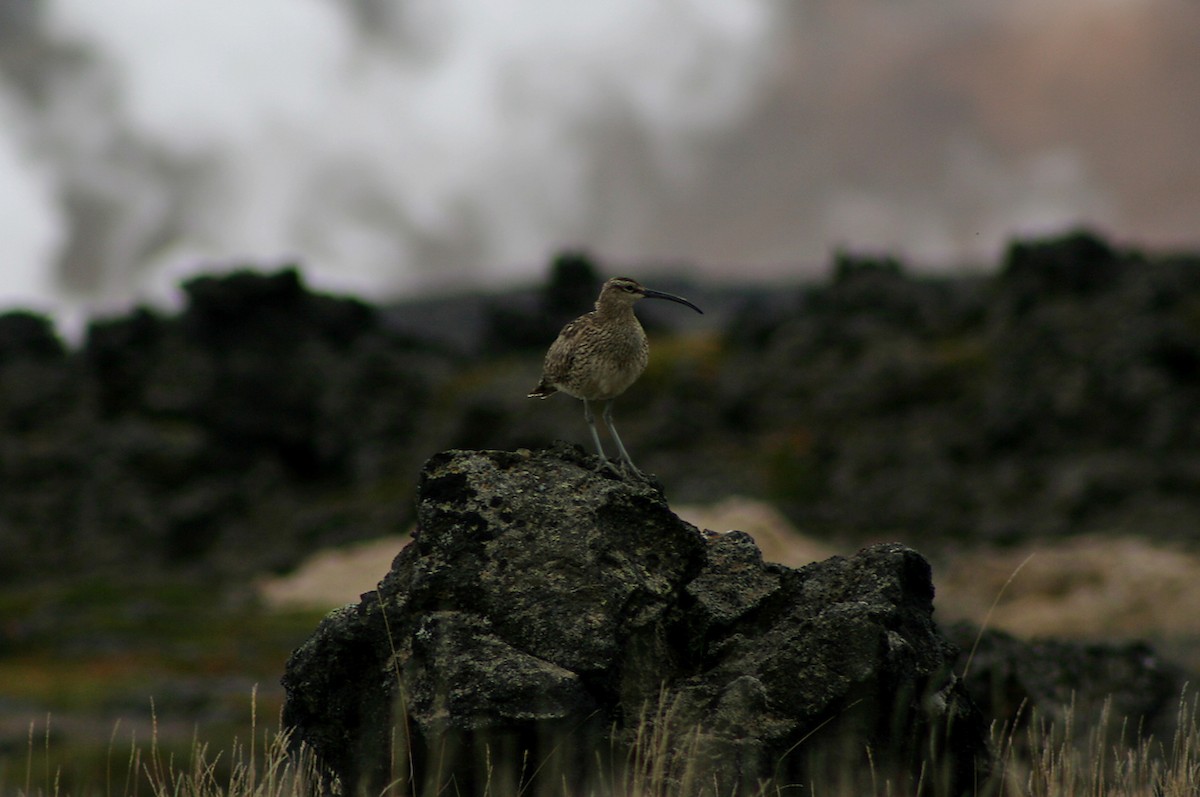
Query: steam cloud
[(385, 147), (392, 146)]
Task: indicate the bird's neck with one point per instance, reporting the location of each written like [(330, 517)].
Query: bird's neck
[(614, 310)]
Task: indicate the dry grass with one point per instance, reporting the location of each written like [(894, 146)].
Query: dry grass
[(1043, 760), (333, 577), (1053, 760), (1089, 587), (261, 767)]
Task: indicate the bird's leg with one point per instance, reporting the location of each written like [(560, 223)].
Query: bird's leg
[(591, 422), (612, 430)]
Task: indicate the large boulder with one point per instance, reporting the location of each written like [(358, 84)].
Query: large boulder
[(550, 616)]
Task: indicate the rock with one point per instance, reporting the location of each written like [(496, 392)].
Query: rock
[(36, 381), (1057, 397), (1078, 262), (25, 334), (1126, 689), (841, 654), (549, 616), (260, 422), (778, 539)]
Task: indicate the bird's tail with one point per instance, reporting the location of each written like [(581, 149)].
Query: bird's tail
[(543, 391)]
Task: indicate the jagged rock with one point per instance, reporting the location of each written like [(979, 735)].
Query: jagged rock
[(549, 607)]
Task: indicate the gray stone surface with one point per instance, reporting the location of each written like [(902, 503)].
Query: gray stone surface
[(551, 613)]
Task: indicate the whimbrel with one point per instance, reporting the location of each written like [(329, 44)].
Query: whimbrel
[(599, 355)]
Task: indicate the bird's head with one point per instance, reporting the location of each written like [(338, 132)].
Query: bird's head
[(626, 291)]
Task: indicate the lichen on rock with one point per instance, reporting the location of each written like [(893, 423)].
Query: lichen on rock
[(549, 612)]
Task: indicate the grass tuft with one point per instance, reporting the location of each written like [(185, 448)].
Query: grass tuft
[(1039, 758)]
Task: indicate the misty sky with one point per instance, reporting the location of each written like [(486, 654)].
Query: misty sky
[(394, 147)]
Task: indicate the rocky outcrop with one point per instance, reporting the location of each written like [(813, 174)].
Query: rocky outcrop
[(227, 439), (1058, 396), (549, 615)]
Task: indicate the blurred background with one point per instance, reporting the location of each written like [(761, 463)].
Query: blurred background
[(258, 261), (394, 147)]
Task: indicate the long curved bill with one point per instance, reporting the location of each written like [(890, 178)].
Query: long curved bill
[(649, 294)]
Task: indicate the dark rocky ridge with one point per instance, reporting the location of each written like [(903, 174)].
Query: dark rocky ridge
[(1059, 396), (549, 607), (261, 422)]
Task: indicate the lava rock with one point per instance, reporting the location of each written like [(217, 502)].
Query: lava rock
[(959, 408), (261, 422), (1058, 396), (1118, 687), (549, 612)]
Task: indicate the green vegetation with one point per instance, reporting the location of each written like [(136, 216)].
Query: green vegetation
[(85, 667)]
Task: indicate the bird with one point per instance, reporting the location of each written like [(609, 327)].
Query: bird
[(599, 355)]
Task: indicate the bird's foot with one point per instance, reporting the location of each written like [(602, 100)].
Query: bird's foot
[(606, 466), (621, 470), (629, 470)]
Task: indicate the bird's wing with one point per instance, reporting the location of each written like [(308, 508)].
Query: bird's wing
[(560, 358)]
